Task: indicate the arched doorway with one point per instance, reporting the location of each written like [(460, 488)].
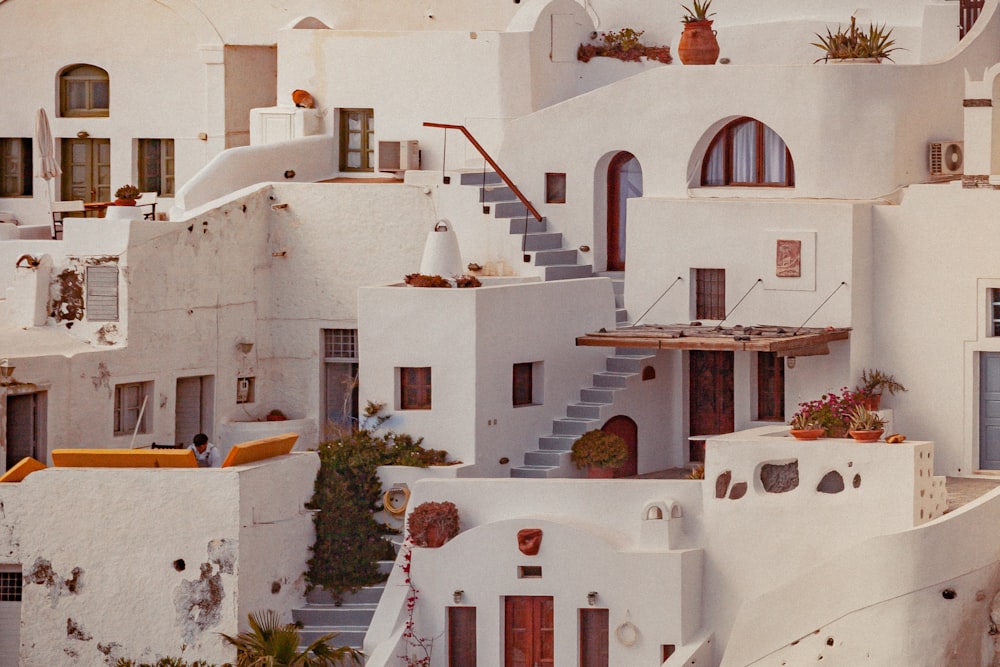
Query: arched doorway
[(625, 428), (624, 182)]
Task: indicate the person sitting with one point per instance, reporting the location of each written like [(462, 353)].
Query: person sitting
[(205, 452)]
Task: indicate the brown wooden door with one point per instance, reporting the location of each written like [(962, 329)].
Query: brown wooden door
[(627, 430), (624, 182), (710, 376), (86, 165), (528, 631)]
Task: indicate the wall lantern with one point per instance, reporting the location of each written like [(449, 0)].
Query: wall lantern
[(457, 596), (592, 598), (82, 134), (244, 346), (790, 362)]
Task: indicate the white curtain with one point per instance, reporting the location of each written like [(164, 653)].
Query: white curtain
[(745, 152), (774, 157), (715, 173)]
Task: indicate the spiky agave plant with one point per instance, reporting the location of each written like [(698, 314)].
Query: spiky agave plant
[(271, 643)]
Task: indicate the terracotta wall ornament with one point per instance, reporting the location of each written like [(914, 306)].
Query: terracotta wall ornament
[(529, 540), (302, 99)]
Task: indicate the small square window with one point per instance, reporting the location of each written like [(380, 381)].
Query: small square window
[(710, 294), (129, 413), (555, 188), (245, 390), (415, 388), (10, 586), (340, 344)]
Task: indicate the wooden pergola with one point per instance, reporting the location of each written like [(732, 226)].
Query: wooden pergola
[(785, 341)]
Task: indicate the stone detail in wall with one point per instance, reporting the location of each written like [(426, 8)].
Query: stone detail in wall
[(529, 540), (722, 484), (198, 603), (976, 181), (779, 477), (738, 491), (67, 298), (977, 102), (832, 482)]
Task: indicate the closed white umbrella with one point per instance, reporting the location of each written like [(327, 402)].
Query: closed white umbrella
[(47, 167)]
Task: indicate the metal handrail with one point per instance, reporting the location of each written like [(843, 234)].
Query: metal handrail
[(500, 172)]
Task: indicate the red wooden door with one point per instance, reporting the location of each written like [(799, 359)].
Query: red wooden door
[(628, 431), (624, 181), (710, 384), (528, 631)]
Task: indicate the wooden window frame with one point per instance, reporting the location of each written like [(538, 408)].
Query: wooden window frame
[(124, 407), (415, 388), (367, 136), (16, 165), (162, 179), (522, 390), (555, 188), (710, 294), (724, 141), (90, 76), (770, 387)]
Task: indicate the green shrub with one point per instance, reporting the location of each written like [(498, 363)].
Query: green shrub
[(347, 493)]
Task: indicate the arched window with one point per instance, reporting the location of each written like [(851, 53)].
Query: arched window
[(84, 90), (748, 153)]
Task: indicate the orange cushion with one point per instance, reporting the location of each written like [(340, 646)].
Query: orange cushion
[(256, 450), (22, 469), (124, 458)]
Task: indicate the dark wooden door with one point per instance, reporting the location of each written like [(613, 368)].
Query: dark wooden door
[(628, 431), (989, 411), (528, 631), (22, 429), (710, 386), (624, 182)]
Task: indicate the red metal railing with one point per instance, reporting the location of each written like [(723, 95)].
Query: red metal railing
[(500, 172)]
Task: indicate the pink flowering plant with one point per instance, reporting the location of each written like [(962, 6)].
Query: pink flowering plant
[(830, 412)]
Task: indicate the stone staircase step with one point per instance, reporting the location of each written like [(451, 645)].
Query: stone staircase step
[(568, 271), (625, 364), (543, 241), (608, 379), (557, 442), (496, 193), (565, 426), (621, 315), (585, 410), (537, 472), (551, 257), (541, 457), (534, 226), (510, 209), (597, 395), (475, 177), (358, 615)]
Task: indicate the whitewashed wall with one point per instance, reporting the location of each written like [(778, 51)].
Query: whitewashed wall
[(148, 563)]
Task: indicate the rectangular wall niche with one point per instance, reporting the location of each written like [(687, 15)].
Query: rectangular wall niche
[(529, 572)]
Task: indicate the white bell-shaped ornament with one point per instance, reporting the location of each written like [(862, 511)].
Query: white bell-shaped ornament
[(441, 254)]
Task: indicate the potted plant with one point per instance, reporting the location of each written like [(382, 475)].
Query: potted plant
[(698, 44), (126, 195), (599, 452), (276, 415), (865, 425), (424, 280), (857, 45), (623, 45), (805, 426), (873, 384), (432, 524), (831, 412)]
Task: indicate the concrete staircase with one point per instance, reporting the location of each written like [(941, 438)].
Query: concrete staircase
[(545, 247), (321, 615), (551, 459)]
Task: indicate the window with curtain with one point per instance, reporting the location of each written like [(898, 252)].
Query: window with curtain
[(748, 153), (84, 90)]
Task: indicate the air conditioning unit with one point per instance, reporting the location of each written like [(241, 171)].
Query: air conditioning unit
[(398, 156), (946, 158)]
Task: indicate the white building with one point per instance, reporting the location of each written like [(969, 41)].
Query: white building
[(826, 225)]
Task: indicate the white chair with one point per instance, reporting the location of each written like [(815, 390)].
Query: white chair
[(147, 199), (59, 210)]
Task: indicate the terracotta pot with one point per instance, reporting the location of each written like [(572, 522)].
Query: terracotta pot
[(807, 433), (867, 436), (124, 202), (872, 402), (698, 45), (600, 473), (276, 418)]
